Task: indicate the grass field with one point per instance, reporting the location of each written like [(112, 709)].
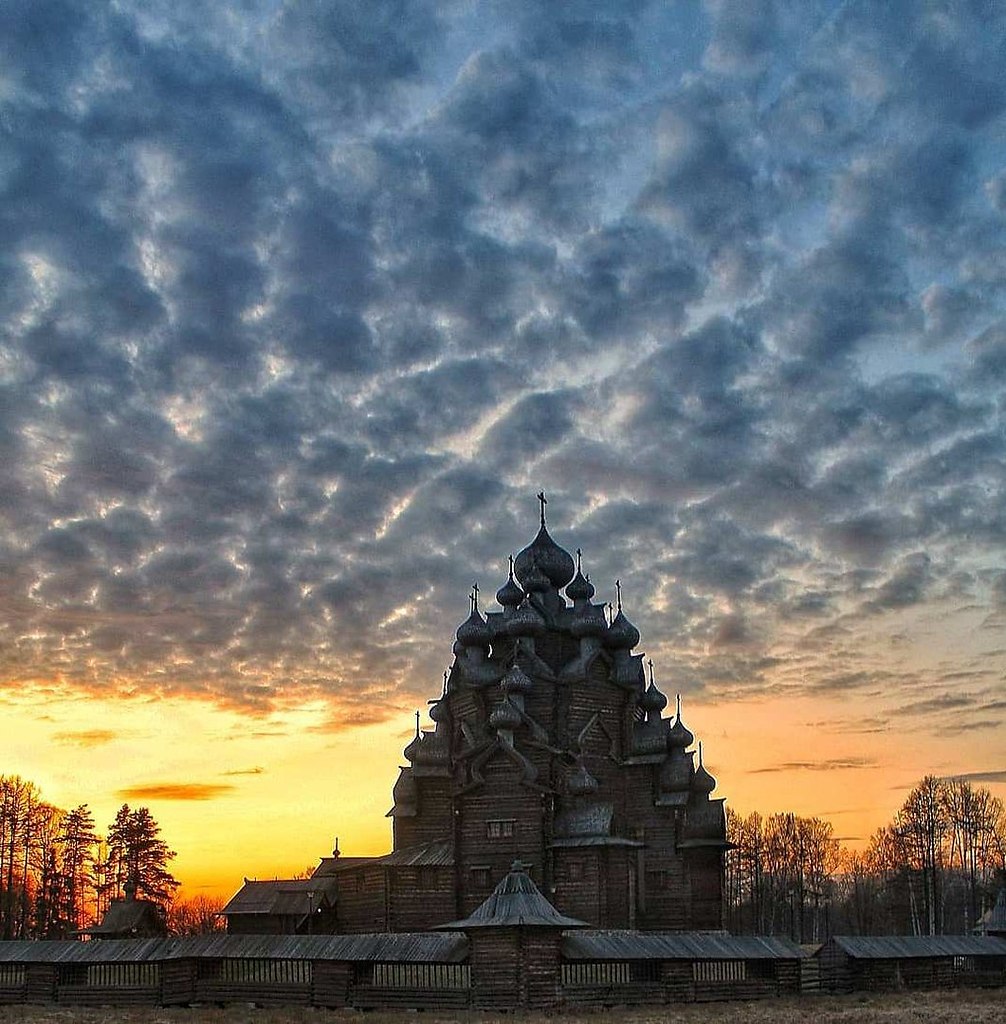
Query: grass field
[(978, 1007)]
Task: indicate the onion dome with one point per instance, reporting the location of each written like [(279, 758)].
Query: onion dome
[(552, 560), (652, 701), (505, 716), (679, 734), (458, 648), (410, 750), (621, 634), (510, 595), (535, 581), (581, 783), (474, 632), (580, 589), (702, 781), (525, 621), (589, 622), (438, 711), (516, 680)]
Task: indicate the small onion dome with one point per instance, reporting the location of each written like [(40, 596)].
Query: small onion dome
[(580, 589), (473, 632), (412, 748), (581, 783), (510, 595), (535, 581), (551, 559), (438, 711), (680, 735), (525, 621), (505, 716), (590, 622), (516, 680), (702, 781), (652, 701), (621, 633)]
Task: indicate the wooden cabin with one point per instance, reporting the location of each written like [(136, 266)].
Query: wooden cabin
[(282, 907), (893, 962)]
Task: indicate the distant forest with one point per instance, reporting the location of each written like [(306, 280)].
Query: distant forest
[(58, 875), (935, 869)]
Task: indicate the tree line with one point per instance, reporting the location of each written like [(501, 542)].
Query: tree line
[(934, 869), (58, 875)]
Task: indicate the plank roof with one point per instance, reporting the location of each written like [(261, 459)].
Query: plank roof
[(610, 944), (904, 947), (390, 947), (282, 896)]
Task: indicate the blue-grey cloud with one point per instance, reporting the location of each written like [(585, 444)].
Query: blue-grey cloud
[(300, 305)]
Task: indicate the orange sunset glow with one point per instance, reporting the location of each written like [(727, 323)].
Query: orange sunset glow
[(301, 304)]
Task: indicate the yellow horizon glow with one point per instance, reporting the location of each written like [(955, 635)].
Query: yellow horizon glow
[(294, 787)]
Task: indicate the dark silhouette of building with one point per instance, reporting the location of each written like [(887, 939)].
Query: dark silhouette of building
[(549, 747), (129, 918)]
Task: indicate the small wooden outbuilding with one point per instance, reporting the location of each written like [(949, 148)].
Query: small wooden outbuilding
[(891, 962)]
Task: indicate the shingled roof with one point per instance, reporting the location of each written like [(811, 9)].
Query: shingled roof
[(285, 897), (515, 903), (126, 918)]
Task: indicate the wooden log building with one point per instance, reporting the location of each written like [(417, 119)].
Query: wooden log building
[(884, 963), (549, 746), (515, 950)]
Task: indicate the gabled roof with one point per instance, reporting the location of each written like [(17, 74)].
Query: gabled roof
[(598, 944), (902, 947), (296, 897), (333, 865), (129, 917), (436, 854), (515, 903)]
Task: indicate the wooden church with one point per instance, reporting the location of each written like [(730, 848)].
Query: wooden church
[(551, 748)]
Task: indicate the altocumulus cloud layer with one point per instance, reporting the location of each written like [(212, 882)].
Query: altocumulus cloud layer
[(300, 303)]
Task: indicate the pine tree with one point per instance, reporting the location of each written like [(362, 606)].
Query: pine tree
[(138, 857), (77, 840)]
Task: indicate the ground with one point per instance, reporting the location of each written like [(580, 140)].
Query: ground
[(979, 1007)]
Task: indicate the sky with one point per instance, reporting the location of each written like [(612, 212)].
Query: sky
[(301, 303)]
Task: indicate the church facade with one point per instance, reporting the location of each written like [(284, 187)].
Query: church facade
[(550, 747)]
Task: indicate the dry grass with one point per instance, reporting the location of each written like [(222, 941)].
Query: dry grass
[(964, 1007)]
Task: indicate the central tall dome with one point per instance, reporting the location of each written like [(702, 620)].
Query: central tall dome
[(550, 746)]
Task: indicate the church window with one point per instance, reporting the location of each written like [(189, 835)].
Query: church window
[(500, 828)]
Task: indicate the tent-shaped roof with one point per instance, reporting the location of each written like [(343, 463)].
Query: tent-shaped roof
[(515, 903)]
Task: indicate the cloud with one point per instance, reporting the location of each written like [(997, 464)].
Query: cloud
[(86, 737), (992, 776), (176, 791), (833, 764), (300, 306), (257, 770)]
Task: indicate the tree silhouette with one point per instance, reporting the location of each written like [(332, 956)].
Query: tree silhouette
[(138, 858)]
